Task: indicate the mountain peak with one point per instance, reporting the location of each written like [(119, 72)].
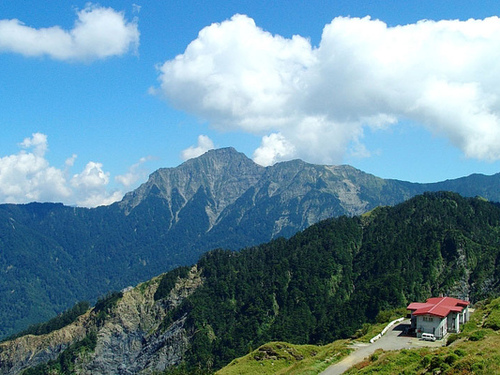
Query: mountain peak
[(223, 173), (226, 157)]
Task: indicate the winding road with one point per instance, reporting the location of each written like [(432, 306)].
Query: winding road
[(392, 340)]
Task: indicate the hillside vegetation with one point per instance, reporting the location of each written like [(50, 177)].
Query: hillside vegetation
[(52, 256), (325, 282), (320, 285), (475, 350), (285, 358)]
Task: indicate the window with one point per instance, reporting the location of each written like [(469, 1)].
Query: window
[(428, 319)]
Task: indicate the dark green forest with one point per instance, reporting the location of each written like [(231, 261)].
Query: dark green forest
[(325, 282), (52, 256)]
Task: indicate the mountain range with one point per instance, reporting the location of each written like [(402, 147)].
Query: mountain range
[(322, 284), (52, 256)]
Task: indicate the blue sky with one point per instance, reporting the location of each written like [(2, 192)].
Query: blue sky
[(94, 97)]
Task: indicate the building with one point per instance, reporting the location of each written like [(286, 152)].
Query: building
[(439, 316)]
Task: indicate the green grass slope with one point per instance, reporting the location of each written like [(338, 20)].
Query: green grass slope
[(285, 358), (475, 350)]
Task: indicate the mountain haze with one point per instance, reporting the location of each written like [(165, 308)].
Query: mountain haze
[(53, 255)]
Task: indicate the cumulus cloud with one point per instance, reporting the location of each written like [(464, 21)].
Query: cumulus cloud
[(28, 176), (204, 144), (315, 102), (135, 173), (98, 33), (273, 149)]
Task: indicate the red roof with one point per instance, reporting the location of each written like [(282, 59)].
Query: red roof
[(438, 306)]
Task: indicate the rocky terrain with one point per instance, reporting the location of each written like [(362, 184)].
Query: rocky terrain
[(53, 256), (322, 284), (130, 339)]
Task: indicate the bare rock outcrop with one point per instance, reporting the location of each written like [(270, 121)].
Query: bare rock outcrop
[(130, 340)]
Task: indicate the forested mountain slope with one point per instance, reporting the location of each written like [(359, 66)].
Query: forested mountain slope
[(319, 285), (53, 255)]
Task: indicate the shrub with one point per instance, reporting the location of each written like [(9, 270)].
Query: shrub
[(426, 361), (478, 366), (384, 316), (477, 335), (451, 358), (451, 339), (444, 367), (493, 322), (436, 362), (460, 352)]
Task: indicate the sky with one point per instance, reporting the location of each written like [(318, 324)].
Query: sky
[(95, 96)]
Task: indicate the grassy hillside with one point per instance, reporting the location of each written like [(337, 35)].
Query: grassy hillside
[(475, 350), (285, 358), (326, 282)]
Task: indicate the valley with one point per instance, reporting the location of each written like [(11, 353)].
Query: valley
[(53, 256), (320, 285)]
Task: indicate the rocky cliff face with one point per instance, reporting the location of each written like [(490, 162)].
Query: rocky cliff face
[(289, 196), (53, 255), (321, 284), (131, 340)]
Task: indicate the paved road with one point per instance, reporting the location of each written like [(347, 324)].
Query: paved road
[(392, 340)]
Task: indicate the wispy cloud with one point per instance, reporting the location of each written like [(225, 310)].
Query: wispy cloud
[(136, 172), (314, 102), (28, 176), (98, 33), (204, 144)]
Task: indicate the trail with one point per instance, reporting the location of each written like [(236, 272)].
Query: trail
[(392, 340)]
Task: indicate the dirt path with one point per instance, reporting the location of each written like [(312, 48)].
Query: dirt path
[(392, 340)]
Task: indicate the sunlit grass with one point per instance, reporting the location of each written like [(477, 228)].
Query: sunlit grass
[(284, 358), (475, 350)]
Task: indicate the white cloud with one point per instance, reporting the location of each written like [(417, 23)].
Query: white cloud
[(273, 149), (314, 102), (28, 176), (135, 173), (90, 187), (98, 33), (38, 142), (204, 144), (237, 75)]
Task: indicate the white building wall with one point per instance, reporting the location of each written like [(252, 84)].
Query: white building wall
[(431, 324)]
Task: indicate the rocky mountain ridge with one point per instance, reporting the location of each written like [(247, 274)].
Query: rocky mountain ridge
[(53, 255), (320, 285)]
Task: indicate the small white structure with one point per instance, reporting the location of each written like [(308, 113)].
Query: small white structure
[(439, 316)]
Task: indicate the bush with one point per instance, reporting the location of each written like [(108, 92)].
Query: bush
[(451, 358), (426, 361), (444, 367), (493, 322), (477, 335), (478, 366), (362, 331), (384, 316), (451, 339), (436, 362), (460, 352)]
